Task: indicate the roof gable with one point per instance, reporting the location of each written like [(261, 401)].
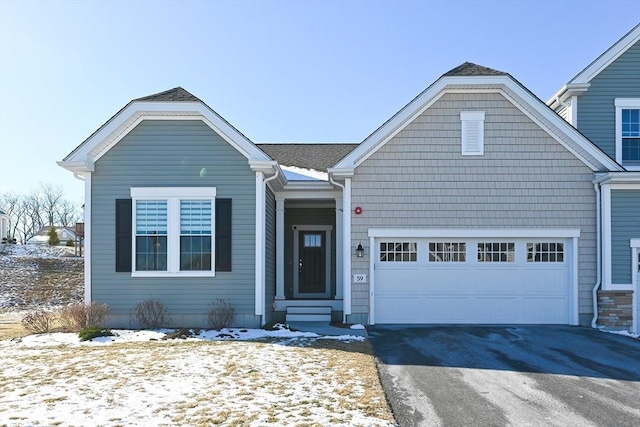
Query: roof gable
[(173, 104), (465, 78), (308, 156), (580, 83)]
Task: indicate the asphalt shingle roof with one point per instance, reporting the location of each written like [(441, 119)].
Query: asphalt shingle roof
[(307, 156), (471, 69), (172, 95)]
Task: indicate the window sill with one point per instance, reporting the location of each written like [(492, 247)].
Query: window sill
[(173, 274)]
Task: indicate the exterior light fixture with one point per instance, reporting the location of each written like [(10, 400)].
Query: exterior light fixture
[(360, 250)]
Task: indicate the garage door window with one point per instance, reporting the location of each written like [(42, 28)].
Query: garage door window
[(447, 252), (496, 252), (545, 252), (398, 251)]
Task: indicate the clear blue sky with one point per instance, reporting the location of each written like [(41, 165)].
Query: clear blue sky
[(278, 71)]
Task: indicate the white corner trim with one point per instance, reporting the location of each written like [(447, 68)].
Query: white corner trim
[(87, 237), (346, 246), (260, 246), (634, 243), (475, 232), (606, 236), (575, 309)]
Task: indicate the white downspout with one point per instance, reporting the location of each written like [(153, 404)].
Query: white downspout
[(594, 292), (261, 243), (346, 247)]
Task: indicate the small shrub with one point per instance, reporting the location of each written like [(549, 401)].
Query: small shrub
[(69, 243), (220, 314), (38, 322), (78, 316), (151, 314), (92, 332), (54, 240)]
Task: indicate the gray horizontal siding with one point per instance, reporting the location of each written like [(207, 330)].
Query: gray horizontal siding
[(173, 154), (270, 255), (625, 225), (525, 179), (596, 109)]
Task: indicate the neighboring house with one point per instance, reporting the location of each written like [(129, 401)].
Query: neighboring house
[(42, 236), (603, 103), (475, 203), (4, 225)]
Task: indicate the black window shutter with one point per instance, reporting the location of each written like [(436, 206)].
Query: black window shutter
[(123, 235), (223, 235)]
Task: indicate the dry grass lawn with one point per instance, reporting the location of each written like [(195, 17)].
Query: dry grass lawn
[(232, 383)]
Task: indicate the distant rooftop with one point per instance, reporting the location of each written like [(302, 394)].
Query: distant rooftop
[(471, 69), (177, 94), (307, 156)]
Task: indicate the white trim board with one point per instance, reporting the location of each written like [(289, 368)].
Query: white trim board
[(135, 112), (475, 232)]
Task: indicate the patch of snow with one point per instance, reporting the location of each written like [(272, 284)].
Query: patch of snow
[(310, 174), (623, 333), (53, 379), (126, 335), (36, 251), (357, 326)]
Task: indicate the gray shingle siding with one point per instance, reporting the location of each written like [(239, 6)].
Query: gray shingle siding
[(596, 109), (174, 154), (525, 179), (625, 225)]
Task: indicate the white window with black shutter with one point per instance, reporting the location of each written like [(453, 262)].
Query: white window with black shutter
[(173, 231)]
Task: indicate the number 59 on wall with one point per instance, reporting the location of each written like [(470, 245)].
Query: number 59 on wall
[(359, 278)]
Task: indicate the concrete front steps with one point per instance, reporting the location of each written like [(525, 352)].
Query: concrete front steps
[(308, 314)]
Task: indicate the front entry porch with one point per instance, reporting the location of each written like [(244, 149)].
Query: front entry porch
[(308, 287)]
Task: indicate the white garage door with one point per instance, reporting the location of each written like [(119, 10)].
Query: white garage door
[(472, 280)]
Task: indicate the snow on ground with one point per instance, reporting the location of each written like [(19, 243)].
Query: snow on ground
[(136, 378), (623, 333), (36, 251)]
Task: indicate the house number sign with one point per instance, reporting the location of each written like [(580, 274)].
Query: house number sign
[(359, 278)]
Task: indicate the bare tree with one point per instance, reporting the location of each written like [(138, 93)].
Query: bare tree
[(68, 213), (50, 197), (28, 213)]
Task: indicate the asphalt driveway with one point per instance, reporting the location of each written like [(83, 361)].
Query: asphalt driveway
[(516, 376)]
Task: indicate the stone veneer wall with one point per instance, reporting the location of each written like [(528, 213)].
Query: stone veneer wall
[(615, 308)]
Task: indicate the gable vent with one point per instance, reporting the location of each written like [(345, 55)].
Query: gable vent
[(472, 133)]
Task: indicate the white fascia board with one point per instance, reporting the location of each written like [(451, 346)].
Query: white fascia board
[(610, 55), (533, 233), (268, 167), (632, 178), (118, 127), (566, 92), (77, 166)]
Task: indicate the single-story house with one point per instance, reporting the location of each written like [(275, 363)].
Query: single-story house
[(42, 236), (475, 203)]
